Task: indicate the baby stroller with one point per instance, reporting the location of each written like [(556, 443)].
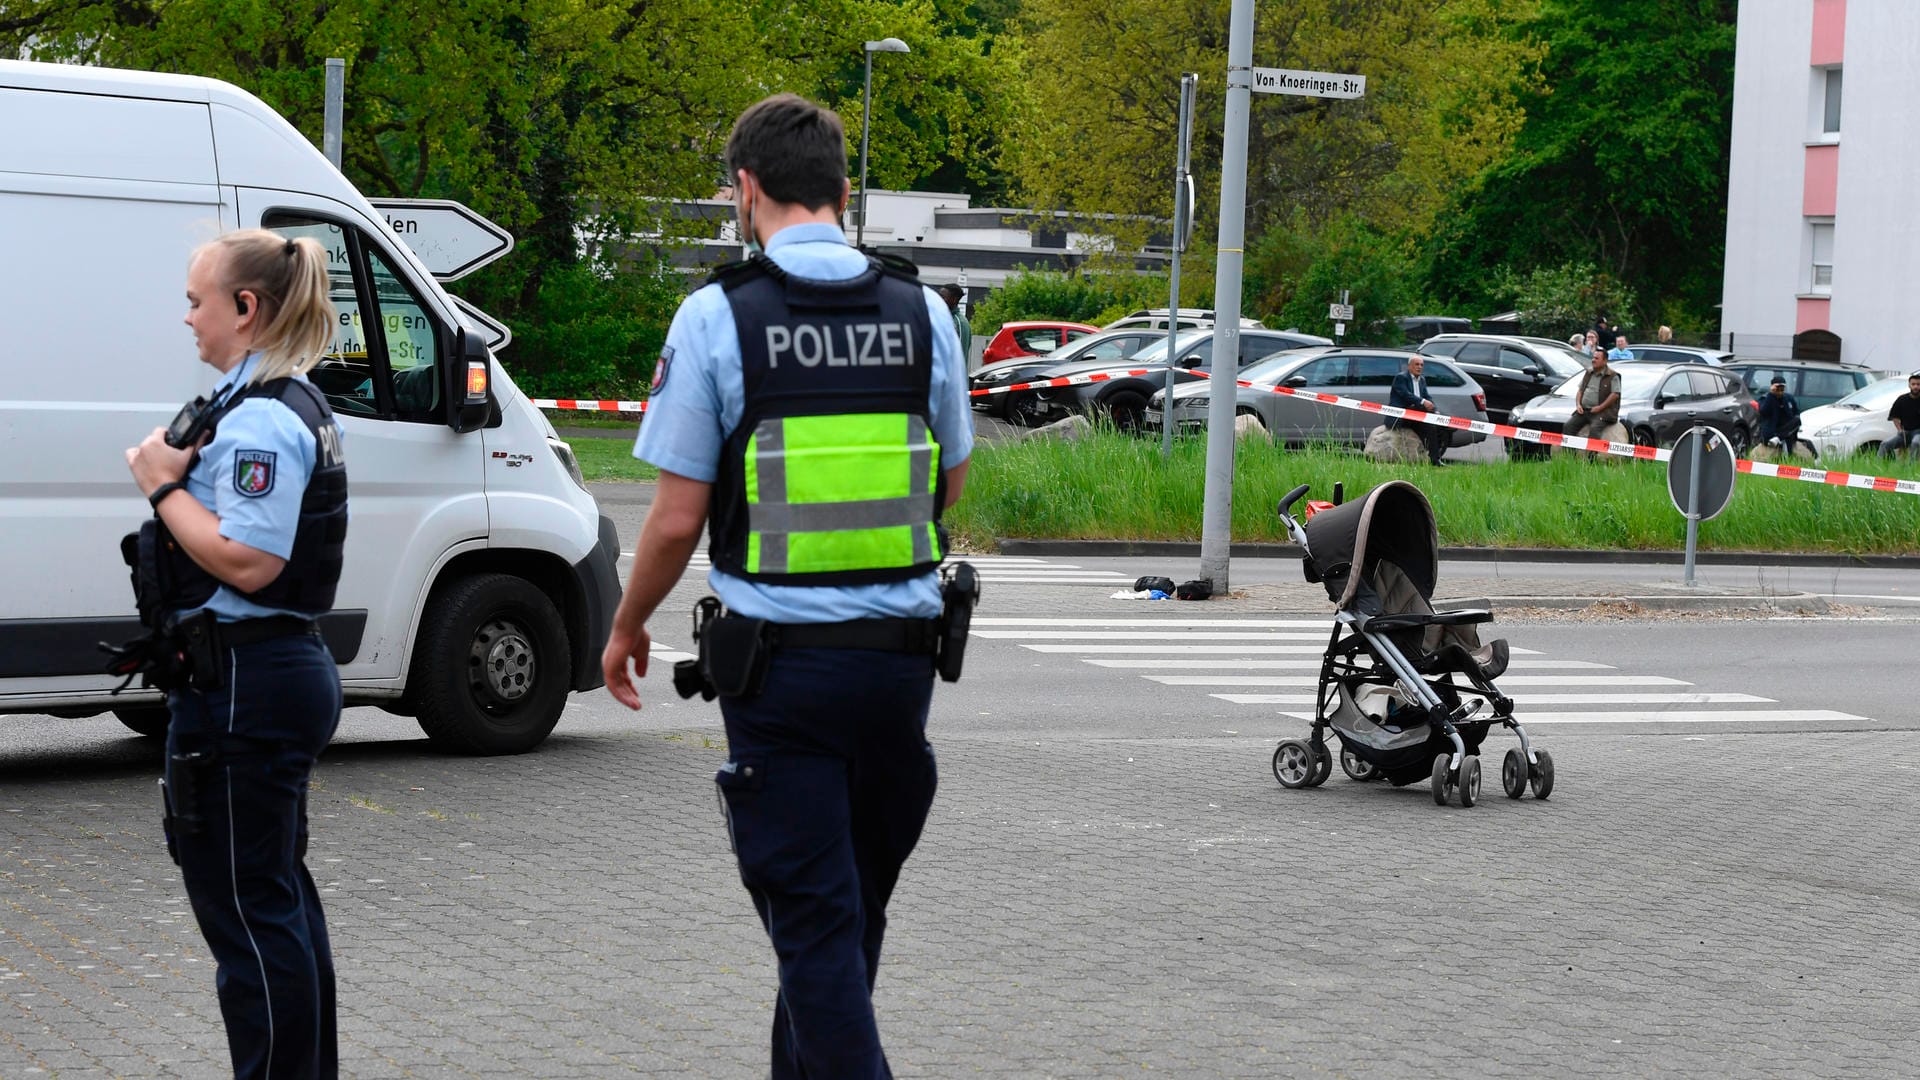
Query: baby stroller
[(1391, 680)]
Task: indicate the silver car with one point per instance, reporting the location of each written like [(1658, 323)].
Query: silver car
[(1365, 374)]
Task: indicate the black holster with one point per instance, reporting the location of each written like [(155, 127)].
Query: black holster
[(185, 653), (180, 800), (734, 654), (690, 676), (959, 592)]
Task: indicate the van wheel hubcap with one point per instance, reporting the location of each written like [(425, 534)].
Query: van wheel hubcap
[(501, 663)]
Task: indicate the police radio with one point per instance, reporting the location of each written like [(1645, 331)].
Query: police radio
[(195, 419)]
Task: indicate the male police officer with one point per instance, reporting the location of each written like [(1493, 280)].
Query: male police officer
[(811, 402)]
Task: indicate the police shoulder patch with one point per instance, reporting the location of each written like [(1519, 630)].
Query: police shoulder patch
[(660, 369), (253, 472)]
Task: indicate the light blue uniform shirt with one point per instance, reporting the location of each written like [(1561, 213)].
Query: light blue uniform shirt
[(704, 395), (253, 476)]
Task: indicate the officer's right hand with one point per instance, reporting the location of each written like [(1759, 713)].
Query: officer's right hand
[(622, 647)]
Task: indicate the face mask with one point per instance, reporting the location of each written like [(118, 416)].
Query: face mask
[(751, 246)]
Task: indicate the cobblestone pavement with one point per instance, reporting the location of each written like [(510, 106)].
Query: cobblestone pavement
[(1725, 906)]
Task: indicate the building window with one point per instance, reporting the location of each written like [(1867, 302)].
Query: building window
[(1822, 244), (1830, 124)]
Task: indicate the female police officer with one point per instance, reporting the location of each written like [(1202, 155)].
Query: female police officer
[(251, 523)]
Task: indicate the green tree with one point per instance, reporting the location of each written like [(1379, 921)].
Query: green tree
[(1440, 106), (1622, 161), (1296, 269), (1560, 301)]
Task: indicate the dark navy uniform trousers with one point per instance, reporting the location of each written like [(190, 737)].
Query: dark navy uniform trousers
[(244, 867), (829, 781)]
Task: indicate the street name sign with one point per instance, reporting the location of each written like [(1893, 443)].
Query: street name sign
[(1320, 84), (451, 239), (496, 334)]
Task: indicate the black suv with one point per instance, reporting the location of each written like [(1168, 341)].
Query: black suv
[(1811, 382), (1510, 369)]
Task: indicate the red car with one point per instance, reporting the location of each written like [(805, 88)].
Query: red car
[(1033, 339)]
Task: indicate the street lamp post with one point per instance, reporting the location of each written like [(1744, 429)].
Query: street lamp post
[(892, 44)]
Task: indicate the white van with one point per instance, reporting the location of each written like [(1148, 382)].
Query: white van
[(480, 575)]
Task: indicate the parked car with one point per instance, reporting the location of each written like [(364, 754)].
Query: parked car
[(1124, 397), (1418, 328), (1366, 374), (1657, 403), (1510, 369), (1680, 354), (1156, 318), (1038, 338), (1110, 346), (1855, 423), (1811, 382)]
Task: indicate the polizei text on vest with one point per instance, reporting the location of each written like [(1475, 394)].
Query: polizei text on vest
[(855, 344)]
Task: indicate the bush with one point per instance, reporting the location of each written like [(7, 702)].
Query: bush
[(591, 334), (1296, 270), (1561, 301), (1091, 297)]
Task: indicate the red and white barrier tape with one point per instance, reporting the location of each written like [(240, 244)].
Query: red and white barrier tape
[(1068, 380), (585, 405), (1581, 442)]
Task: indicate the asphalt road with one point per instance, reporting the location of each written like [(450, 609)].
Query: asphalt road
[(1111, 884)]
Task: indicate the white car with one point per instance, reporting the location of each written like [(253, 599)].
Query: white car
[(1856, 422)]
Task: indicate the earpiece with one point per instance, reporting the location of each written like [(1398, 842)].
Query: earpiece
[(239, 303)]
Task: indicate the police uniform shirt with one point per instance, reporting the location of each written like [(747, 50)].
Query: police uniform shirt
[(253, 475), (702, 395)]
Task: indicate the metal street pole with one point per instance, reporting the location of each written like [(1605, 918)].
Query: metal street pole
[(1699, 444), (866, 126), (335, 105), (1216, 519), (1182, 225)]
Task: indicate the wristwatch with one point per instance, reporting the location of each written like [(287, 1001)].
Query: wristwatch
[(165, 490)]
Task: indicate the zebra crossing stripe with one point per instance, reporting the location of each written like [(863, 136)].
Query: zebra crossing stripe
[(1149, 635), (1278, 664), (1323, 625), (1538, 699), (1504, 681)]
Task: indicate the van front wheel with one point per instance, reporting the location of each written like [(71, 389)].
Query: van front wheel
[(491, 668)]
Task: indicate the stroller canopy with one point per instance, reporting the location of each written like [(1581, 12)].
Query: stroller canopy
[(1394, 522)]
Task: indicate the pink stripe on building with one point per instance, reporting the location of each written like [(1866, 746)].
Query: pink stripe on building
[(1810, 314), (1829, 32), (1822, 181)]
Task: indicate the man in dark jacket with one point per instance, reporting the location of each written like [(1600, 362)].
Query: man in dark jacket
[(1410, 392), (1905, 415), (1780, 417)]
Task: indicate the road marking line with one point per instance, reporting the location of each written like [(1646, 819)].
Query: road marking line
[(1283, 624), (1538, 699), (1243, 650), (1149, 635), (1270, 665), (1507, 680), (1676, 716)]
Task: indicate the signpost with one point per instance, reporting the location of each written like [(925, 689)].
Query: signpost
[(1700, 481), (452, 240), (1243, 79), (1182, 231), (496, 334)]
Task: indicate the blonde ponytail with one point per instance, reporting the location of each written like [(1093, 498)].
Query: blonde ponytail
[(289, 276)]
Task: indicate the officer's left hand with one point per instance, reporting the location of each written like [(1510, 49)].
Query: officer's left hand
[(153, 462)]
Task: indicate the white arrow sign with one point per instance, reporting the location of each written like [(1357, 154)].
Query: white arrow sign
[(496, 334), (1320, 84), (452, 240)]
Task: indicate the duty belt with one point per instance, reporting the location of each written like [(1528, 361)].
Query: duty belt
[(919, 637), (248, 631)]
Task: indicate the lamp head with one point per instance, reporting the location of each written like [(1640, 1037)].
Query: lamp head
[(892, 44)]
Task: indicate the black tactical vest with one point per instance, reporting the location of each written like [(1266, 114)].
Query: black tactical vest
[(312, 573), (820, 349)]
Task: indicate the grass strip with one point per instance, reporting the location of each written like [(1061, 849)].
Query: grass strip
[(1116, 487), (610, 459)]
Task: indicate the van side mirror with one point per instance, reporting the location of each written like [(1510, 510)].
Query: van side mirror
[(469, 384)]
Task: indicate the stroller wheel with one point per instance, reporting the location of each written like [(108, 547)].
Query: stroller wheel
[(1322, 763), (1513, 773), (1542, 774), (1442, 779), (1294, 764), (1358, 768), (1468, 788)]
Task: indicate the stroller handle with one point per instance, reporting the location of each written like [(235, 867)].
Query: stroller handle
[(1292, 497)]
